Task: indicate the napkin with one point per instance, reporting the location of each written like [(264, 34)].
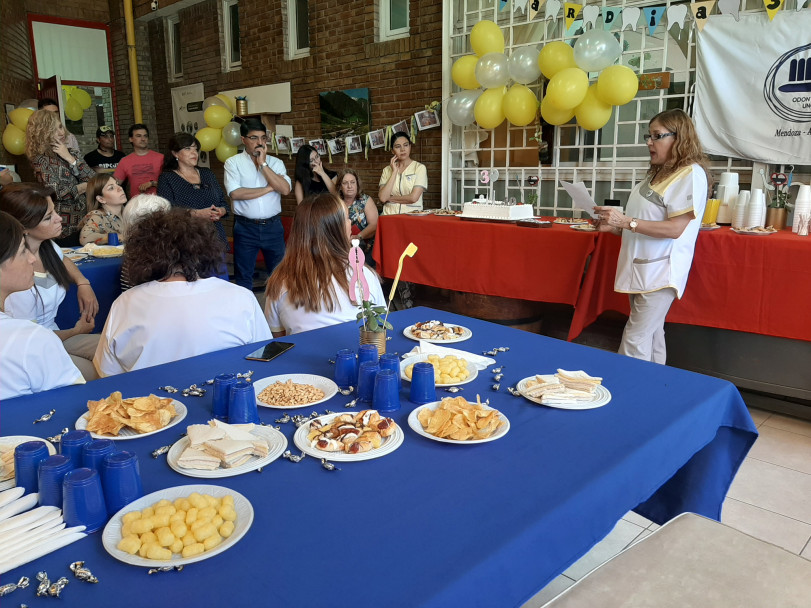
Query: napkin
[(426, 348)]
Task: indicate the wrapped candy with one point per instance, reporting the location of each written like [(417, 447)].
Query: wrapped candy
[(82, 573), (20, 584), (45, 417)]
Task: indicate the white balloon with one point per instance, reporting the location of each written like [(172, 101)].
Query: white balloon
[(460, 107), (596, 50), (231, 134), (491, 70), (29, 103), (523, 65)]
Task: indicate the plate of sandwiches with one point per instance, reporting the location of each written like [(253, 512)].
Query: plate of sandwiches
[(568, 390), (349, 437), (218, 449)]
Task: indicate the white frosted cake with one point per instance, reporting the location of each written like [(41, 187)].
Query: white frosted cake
[(486, 209)]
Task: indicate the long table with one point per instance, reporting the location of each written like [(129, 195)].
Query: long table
[(104, 275), (748, 283), (430, 524)]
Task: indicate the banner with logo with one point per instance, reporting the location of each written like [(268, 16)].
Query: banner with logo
[(753, 87)]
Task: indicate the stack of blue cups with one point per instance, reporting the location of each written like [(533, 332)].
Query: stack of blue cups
[(346, 369), (83, 499), (222, 395), (366, 380), (27, 457), (423, 389), (386, 396), (392, 362), (242, 404), (95, 451), (72, 445), (52, 471), (121, 480), (367, 352)]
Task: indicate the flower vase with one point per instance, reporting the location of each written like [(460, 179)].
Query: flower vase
[(776, 216), (378, 338)]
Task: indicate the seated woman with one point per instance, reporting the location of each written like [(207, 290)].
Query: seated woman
[(178, 308), (362, 211), (311, 176), (404, 180), (32, 205), (310, 287), (32, 358), (106, 200)]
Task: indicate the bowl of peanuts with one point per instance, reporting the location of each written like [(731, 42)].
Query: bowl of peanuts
[(289, 391)]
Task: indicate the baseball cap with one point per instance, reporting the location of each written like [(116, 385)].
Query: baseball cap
[(103, 130)]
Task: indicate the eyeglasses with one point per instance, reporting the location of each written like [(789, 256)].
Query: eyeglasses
[(256, 137), (647, 136)]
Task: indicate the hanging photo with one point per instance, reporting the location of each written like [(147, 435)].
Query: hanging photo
[(320, 145), (283, 143), (336, 146), (377, 139), (401, 126), (427, 119), (354, 144), (296, 143)]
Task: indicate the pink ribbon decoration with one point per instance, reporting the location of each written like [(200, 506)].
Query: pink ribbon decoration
[(357, 281)]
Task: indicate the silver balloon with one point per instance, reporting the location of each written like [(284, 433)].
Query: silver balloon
[(523, 65), (491, 70), (214, 101), (31, 104), (231, 134), (596, 50), (460, 107)]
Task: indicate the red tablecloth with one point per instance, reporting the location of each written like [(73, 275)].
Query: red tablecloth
[(490, 258), (756, 284)]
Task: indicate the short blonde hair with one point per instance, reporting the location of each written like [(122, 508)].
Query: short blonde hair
[(39, 135)]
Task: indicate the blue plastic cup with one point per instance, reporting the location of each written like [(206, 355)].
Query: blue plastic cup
[(242, 404), (27, 457), (222, 395), (83, 499), (423, 389), (121, 480), (386, 397), (95, 451), (72, 445), (368, 352), (366, 380), (346, 368), (112, 238), (52, 470), (392, 362)]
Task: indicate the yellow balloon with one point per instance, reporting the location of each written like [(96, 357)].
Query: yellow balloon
[(82, 97), (14, 140), (229, 101), (520, 105), (225, 150), (592, 114), (554, 57), (73, 111), (488, 110), (486, 37), (617, 85), (217, 117), (463, 72), (209, 138), (554, 116), (567, 88), (19, 117)]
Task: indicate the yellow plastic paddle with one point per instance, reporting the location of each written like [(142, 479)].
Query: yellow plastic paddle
[(410, 250)]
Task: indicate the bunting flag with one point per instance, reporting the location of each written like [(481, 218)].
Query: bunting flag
[(520, 5), (772, 6), (630, 17), (611, 17), (730, 7), (552, 9), (534, 8), (502, 4), (677, 13), (571, 11), (653, 15), (701, 12), (590, 14)]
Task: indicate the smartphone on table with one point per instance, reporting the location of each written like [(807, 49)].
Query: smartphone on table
[(270, 351)]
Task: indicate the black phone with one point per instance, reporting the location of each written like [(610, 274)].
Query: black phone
[(270, 351), (612, 202)]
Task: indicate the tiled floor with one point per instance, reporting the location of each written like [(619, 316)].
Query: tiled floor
[(769, 499)]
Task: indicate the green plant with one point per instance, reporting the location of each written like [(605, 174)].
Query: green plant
[(780, 201), (373, 317)]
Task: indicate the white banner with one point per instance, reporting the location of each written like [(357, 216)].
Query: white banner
[(187, 112), (753, 87)]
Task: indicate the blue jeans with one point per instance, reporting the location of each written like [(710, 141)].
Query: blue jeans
[(249, 238)]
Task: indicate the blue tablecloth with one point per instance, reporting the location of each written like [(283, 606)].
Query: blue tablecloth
[(431, 524), (104, 275)]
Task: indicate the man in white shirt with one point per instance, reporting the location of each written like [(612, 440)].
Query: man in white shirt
[(256, 182)]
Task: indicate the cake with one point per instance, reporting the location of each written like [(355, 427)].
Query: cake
[(486, 209)]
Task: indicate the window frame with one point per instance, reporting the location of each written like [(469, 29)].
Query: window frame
[(385, 31), (293, 51), (228, 64), (172, 27)]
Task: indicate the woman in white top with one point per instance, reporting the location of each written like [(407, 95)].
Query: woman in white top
[(404, 180), (32, 205), (659, 230), (32, 358), (177, 307), (310, 287)]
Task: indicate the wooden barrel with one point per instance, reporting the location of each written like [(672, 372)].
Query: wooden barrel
[(519, 314)]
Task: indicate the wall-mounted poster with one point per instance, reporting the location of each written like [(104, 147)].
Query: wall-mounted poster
[(345, 113)]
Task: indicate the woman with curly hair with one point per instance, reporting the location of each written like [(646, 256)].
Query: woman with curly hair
[(310, 287), (59, 168), (106, 200), (659, 230), (311, 175), (178, 308)]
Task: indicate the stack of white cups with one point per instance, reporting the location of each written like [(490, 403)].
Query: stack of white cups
[(739, 213), (802, 206), (728, 194), (756, 213)]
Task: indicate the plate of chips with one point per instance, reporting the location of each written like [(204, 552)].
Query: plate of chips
[(455, 420), (7, 446), (289, 391), (116, 418)]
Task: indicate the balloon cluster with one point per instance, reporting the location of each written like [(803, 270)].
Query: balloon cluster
[(221, 134), (568, 93)]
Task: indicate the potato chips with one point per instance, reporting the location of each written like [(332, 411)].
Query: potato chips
[(141, 414), (457, 419)]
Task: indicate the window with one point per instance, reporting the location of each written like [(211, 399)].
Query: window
[(174, 58), (393, 19), (298, 28), (232, 53)]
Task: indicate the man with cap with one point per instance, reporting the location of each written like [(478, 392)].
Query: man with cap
[(105, 158)]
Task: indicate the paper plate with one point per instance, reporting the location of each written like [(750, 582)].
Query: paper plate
[(325, 384), (418, 358), (387, 446), (416, 426), (128, 433)]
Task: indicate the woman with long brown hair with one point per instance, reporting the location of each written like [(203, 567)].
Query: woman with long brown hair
[(310, 287), (659, 230), (106, 200)]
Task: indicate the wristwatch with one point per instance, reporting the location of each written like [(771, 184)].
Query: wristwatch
[(634, 223), (263, 165)]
